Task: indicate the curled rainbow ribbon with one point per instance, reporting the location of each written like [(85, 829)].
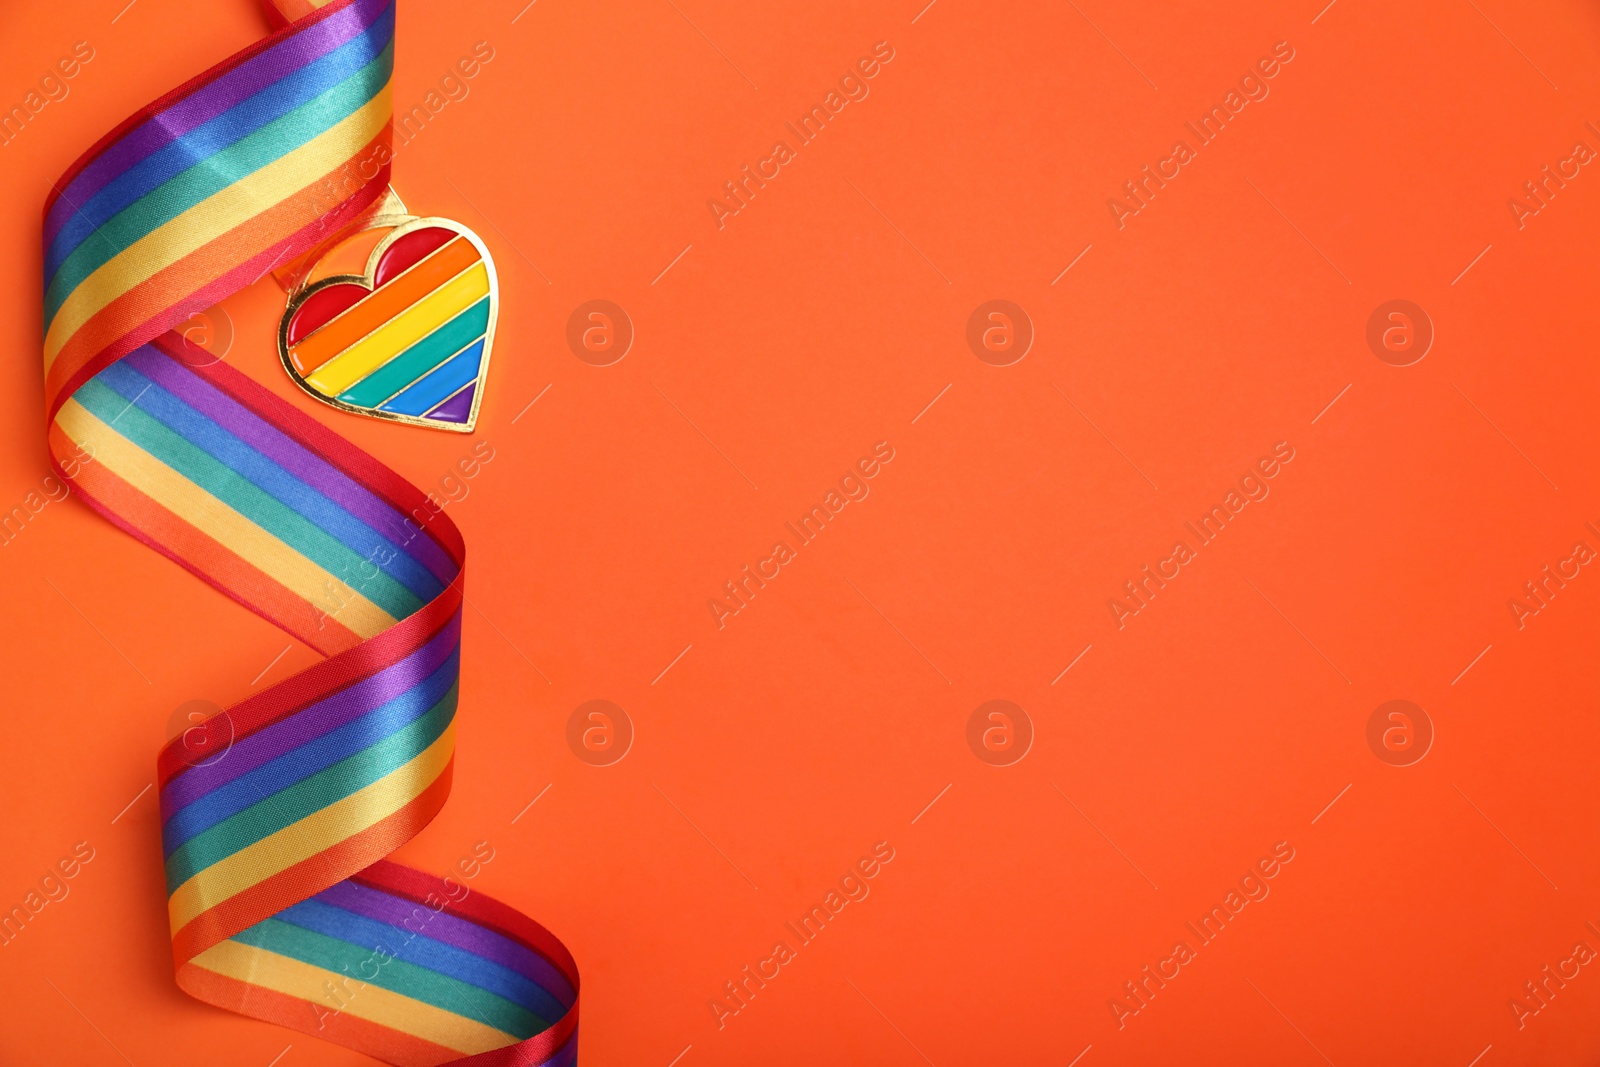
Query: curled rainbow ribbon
[(281, 903)]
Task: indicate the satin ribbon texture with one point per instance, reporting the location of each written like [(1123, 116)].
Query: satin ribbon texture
[(278, 813)]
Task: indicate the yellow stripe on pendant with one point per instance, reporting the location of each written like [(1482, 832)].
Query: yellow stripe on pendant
[(402, 331), (373, 1003), (220, 522)]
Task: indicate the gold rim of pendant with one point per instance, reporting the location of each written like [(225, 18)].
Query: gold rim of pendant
[(402, 225)]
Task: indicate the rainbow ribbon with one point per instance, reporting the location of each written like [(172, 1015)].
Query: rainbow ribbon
[(281, 904)]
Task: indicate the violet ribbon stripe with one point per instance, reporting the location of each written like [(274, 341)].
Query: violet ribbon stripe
[(283, 451), (219, 96), (292, 734), (357, 46), (225, 164), (277, 814)]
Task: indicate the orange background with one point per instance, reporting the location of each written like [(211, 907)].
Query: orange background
[(826, 715)]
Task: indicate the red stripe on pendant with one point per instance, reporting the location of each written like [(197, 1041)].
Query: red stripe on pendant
[(321, 307), (410, 250), (325, 305)]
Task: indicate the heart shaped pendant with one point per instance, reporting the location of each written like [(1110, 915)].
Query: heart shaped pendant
[(408, 339)]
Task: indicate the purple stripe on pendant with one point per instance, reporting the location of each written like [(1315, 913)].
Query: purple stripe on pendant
[(457, 408)]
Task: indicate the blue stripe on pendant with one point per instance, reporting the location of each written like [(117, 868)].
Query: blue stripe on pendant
[(415, 363), (440, 383)]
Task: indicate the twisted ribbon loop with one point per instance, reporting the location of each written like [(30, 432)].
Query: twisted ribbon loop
[(277, 814)]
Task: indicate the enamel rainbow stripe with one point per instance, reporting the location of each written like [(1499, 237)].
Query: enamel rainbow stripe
[(411, 344), (278, 813)]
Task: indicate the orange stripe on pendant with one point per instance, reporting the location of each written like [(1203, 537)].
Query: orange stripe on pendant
[(385, 303)]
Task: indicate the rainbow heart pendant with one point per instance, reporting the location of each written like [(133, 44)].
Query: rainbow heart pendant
[(406, 339)]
